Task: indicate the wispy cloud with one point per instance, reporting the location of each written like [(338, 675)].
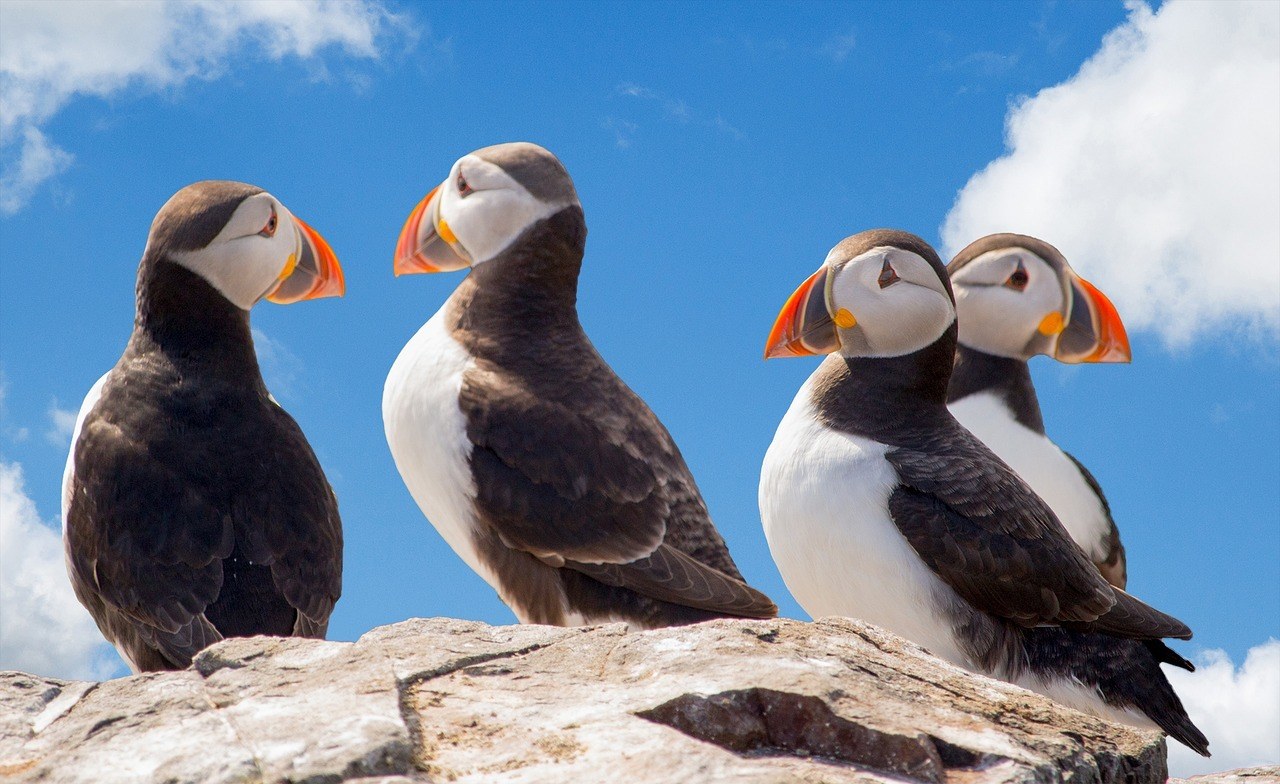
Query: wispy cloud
[(281, 368), (14, 434), (43, 629), (27, 163), (671, 109), (838, 46), (1155, 169), (1238, 708), (624, 133), (62, 422), (50, 53), (989, 63), (750, 44)]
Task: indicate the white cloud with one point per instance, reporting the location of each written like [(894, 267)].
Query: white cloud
[(62, 422), (37, 161), (43, 629), (1237, 709), (1155, 169), (52, 52)]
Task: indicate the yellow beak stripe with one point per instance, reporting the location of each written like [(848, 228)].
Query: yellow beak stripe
[(289, 266), (446, 233), (1051, 324)]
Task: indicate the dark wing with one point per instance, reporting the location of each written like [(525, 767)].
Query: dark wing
[(1113, 567), (150, 523), (993, 540), (144, 541), (293, 526), (675, 577), (599, 488)]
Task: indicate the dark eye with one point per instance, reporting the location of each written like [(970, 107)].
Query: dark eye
[(464, 187), (1018, 280), (269, 230), (888, 275)]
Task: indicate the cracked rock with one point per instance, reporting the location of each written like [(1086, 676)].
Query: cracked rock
[(434, 700)]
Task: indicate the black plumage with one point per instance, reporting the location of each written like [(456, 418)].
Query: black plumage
[(195, 508), (1030, 600), (968, 515), (581, 491), (1124, 673), (1009, 379)]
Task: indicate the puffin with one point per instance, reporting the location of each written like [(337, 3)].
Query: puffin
[(193, 508), (538, 466), (1016, 297), (877, 504)]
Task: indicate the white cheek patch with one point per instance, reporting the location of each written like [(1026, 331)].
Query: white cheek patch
[(240, 263), (995, 318), (500, 209), (898, 319)]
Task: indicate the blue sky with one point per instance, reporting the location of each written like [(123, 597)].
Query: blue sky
[(719, 152)]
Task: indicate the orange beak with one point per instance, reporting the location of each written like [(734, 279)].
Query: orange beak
[(804, 326), (426, 244), (313, 271), (1094, 333)]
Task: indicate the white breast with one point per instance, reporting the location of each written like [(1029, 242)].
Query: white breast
[(1085, 699), (427, 434), (824, 503), (1042, 465), (90, 400)]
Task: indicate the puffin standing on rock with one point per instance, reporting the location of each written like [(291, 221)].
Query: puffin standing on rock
[(534, 461), (878, 504), (1016, 297), (193, 507)]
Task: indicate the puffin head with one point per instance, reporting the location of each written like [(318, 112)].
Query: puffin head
[(489, 200), (880, 293), (1017, 297), (244, 243)]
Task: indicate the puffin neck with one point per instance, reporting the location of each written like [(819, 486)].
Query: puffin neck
[(530, 290), (1010, 379), (180, 314), (886, 398)]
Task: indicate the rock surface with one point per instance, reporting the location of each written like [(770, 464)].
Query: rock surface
[(1267, 774), (443, 700)]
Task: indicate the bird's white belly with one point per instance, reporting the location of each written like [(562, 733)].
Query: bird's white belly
[(824, 503), (90, 400), (1042, 465), (1085, 699), (427, 434)]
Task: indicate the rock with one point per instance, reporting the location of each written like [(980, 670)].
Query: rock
[(444, 700), (1267, 774)]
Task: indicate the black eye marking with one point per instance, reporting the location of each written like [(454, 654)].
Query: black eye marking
[(888, 275), (1018, 280), (269, 230), (464, 187)]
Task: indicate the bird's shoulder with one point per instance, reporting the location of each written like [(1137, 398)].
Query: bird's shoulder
[(979, 527)]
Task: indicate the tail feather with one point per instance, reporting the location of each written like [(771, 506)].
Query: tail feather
[(1166, 655), (1133, 618), (1124, 674), (1180, 728)]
